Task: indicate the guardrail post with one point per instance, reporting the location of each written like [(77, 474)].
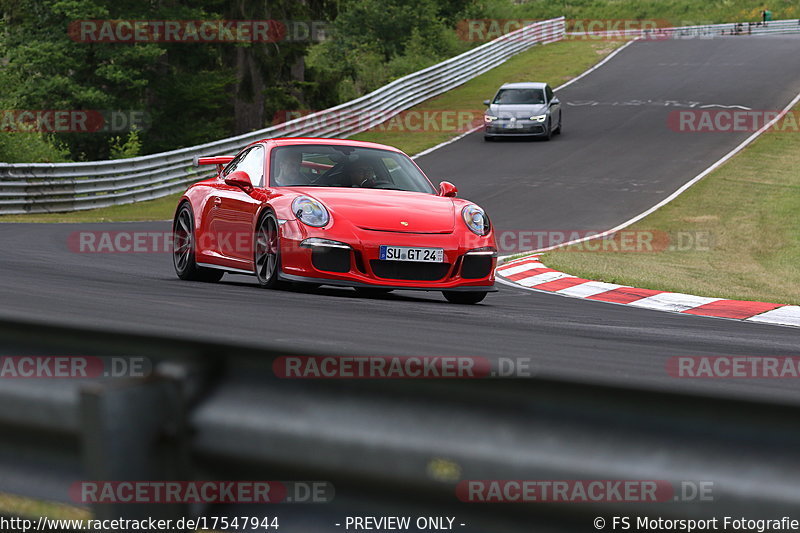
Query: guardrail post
[(133, 430)]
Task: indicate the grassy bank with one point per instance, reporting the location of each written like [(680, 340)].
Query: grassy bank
[(554, 63), (160, 209), (747, 209), (11, 505), (671, 12)]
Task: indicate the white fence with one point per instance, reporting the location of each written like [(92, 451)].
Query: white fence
[(704, 31), (63, 187)]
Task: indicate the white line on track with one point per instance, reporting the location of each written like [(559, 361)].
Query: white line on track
[(573, 80), (680, 191), (775, 317)]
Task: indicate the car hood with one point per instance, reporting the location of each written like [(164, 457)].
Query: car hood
[(386, 210), (516, 110)]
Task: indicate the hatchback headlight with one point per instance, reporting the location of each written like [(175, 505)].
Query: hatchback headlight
[(489, 118), (539, 118), (476, 220), (310, 211)]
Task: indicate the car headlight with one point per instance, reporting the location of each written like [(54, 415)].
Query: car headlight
[(310, 212), (489, 118), (539, 118), (476, 220)]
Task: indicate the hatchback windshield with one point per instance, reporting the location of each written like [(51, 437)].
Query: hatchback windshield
[(345, 166), (519, 96)]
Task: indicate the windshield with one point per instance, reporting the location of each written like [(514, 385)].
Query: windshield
[(519, 96), (345, 166)]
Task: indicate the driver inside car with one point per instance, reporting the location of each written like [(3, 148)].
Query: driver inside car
[(361, 174), (289, 165)]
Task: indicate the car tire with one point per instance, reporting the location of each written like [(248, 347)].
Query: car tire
[(549, 134), (488, 139), (464, 297), (267, 251), (183, 249), (558, 129)]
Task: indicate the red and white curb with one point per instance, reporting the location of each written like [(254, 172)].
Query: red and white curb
[(529, 272)]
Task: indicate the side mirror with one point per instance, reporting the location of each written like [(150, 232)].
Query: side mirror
[(240, 179), (555, 101), (487, 102), (447, 189)]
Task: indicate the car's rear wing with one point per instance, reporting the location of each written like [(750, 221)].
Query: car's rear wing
[(220, 161)]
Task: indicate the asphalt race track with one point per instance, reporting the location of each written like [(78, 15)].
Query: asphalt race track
[(612, 162), (617, 156)]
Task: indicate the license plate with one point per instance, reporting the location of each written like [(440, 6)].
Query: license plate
[(513, 125), (405, 253)]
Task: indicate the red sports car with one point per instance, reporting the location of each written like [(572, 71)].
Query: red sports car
[(333, 212)]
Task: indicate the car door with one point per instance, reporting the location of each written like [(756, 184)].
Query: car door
[(207, 243), (235, 211)]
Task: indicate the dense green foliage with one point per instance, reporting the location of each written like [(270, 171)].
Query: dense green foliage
[(375, 41), (191, 93)]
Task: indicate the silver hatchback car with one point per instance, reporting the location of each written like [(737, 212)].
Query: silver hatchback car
[(522, 109)]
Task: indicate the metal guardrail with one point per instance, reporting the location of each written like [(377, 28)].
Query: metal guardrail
[(63, 187), (212, 410), (703, 31)]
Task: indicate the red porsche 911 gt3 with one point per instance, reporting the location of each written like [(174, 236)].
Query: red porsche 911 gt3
[(333, 212)]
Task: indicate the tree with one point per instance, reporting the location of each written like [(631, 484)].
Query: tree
[(54, 71), (374, 41), (271, 76)]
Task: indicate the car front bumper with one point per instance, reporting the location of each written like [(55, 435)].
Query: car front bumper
[(469, 260), (506, 128)]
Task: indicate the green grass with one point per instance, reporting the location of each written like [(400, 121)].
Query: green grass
[(160, 209), (11, 505), (554, 63), (672, 12), (749, 209)]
